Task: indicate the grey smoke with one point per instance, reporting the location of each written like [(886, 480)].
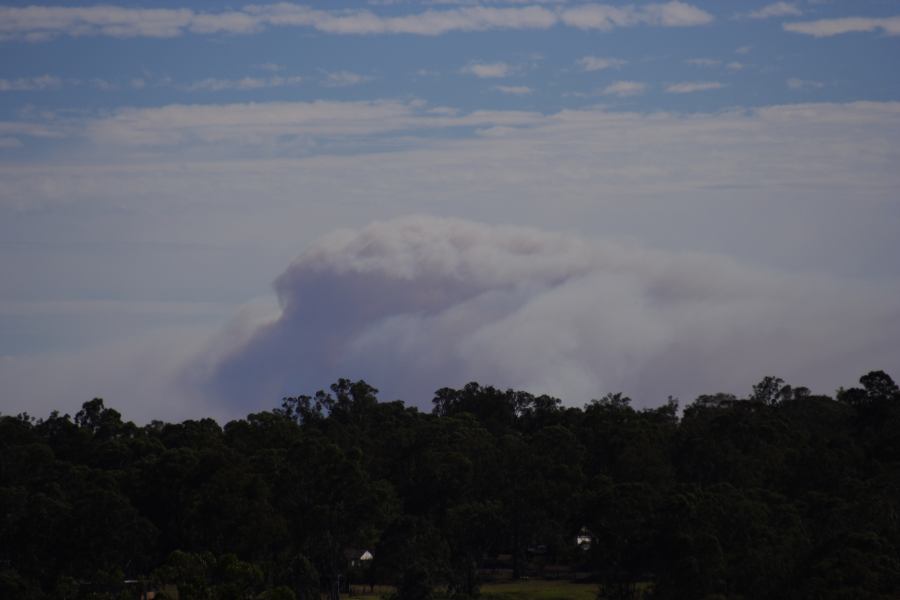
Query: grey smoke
[(418, 303)]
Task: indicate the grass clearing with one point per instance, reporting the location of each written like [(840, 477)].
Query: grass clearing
[(534, 589), (539, 590)]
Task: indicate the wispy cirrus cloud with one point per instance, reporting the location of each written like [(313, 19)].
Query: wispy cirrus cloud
[(212, 84), (484, 70), (41, 23), (703, 62), (714, 62), (515, 90), (840, 26), (599, 63), (344, 79), (30, 84), (103, 85), (689, 87), (776, 9), (254, 123), (209, 84), (623, 89)]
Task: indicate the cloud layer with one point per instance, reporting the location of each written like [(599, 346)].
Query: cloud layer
[(777, 9), (41, 23), (605, 17), (418, 303), (840, 26), (689, 87), (598, 63), (29, 84), (253, 123)]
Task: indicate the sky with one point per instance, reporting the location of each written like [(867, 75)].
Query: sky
[(205, 208)]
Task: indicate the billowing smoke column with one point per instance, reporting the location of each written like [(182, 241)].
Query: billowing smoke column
[(419, 303)]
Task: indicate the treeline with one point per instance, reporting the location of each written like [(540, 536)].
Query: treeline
[(781, 494)]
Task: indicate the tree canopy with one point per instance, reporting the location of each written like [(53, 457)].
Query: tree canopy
[(779, 494)]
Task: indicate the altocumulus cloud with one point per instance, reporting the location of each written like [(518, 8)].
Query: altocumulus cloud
[(417, 303), (42, 23)]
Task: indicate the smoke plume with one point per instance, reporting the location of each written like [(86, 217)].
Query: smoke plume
[(419, 303)]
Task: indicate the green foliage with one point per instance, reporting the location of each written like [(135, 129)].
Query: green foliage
[(280, 593), (782, 494)]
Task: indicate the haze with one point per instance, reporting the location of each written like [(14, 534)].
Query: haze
[(204, 210)]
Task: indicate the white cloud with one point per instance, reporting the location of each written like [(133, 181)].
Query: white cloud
[(255, 123), (226, 22), (599, 63), (41, 23), (270, 67), (688, 87), (830, 27), (178, 126), (430, 22), (418, 303), (488, 70), (780, 167), (624, 88), (712, 62), (38, 23), (345, 79), (703, 62), (31, 84), (515, 90), (777, 9), (744, 50), (675, 14), (242, 84), (606, 17), (103, 85), (795, 83)]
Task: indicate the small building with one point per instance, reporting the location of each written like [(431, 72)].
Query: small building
[(357, 558), (584, 539), (359, 570)]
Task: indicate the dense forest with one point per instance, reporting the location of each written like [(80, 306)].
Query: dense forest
[(780, 494)]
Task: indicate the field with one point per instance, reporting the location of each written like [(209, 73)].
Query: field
[(539, 590), (519, 590)]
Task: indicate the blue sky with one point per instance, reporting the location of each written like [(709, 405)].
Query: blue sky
[(746, 54), (162, 164)]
